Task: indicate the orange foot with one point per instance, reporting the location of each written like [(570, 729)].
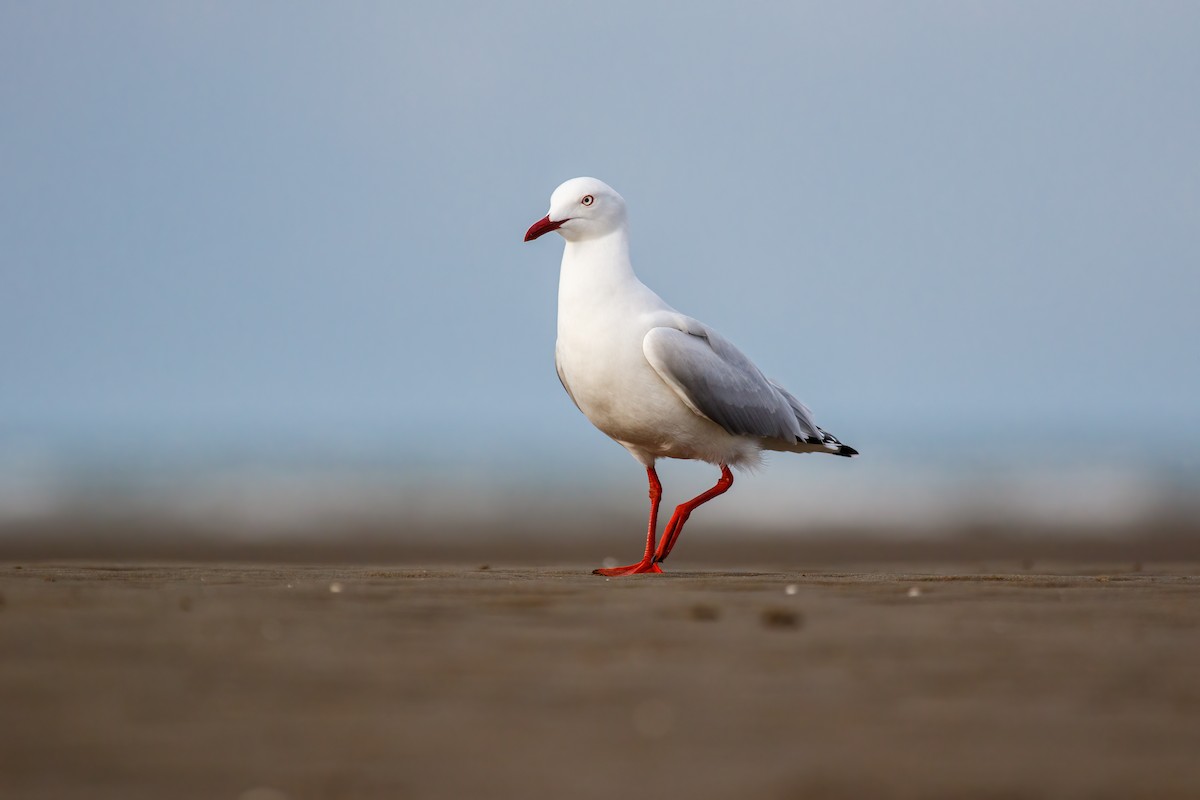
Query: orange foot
[(647, 565)]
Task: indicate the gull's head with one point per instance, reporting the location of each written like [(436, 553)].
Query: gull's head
[(581, 208)]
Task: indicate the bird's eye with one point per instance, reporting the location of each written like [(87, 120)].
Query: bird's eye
[(588, 200)]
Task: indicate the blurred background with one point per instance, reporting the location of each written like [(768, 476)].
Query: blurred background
[(262, 269)]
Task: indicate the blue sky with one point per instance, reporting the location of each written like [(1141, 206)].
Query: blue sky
[(281, 223)]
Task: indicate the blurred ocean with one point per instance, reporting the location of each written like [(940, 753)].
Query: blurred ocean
[(902, 484)]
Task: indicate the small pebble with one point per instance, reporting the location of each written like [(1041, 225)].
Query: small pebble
[(791, 588), (781, 618), (914, 591), (484, 567), (335, 587)]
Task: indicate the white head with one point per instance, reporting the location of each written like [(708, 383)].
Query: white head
[(581, 208)]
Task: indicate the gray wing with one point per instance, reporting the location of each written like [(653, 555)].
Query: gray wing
[(803, 413), (717, 381)]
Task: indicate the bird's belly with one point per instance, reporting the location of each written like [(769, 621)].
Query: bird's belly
[(628, 401)]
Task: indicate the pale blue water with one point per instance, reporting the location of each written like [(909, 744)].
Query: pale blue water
[(903, 478)]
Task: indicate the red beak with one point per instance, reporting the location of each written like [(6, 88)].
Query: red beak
[(542, 227)]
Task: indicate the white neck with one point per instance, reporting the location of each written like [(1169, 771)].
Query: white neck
[(593, 269)]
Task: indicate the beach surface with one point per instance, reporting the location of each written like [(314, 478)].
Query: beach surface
[(267, 681)]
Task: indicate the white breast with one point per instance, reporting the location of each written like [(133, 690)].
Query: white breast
[(604, 313)]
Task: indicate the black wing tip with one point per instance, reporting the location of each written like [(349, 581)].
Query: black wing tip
[(829, 439)]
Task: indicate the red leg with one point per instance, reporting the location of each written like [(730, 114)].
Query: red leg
[(647, 563), (682, 512)]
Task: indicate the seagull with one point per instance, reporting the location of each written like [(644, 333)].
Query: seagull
[(658, 382)]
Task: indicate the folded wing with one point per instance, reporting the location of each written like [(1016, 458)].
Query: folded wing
[(717, 381)]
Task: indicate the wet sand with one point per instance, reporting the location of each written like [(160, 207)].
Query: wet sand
[(264, 681)]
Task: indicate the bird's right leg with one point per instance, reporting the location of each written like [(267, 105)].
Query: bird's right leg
[(684, 510), (647, 563)]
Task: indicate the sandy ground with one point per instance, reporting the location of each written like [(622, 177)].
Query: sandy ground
[(265, 681)]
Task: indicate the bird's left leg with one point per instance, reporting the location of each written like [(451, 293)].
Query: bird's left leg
[(684, 510), (647, 563)]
